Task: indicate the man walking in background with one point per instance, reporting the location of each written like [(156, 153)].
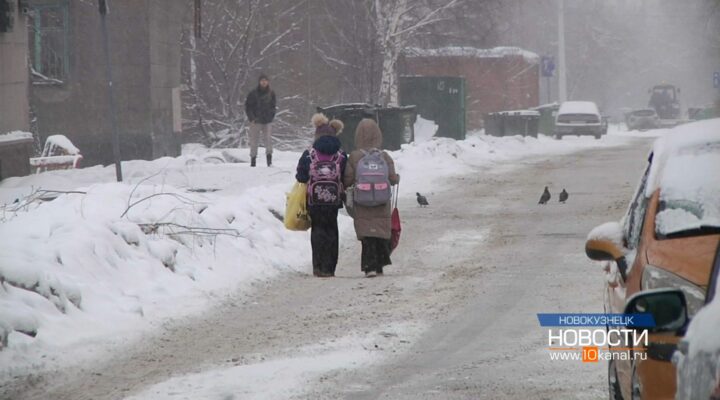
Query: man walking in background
[(260, 110)]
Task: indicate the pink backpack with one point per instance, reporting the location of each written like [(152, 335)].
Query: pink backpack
[(325, 185)]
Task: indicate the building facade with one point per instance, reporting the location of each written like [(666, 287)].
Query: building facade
[(14, 106), (68, 88), (499, 79)]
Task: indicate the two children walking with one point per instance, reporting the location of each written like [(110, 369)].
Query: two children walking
[(370, 172)]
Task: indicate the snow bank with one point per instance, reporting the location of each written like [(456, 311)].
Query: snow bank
[(425, 166), (459, 51), (86, 268)]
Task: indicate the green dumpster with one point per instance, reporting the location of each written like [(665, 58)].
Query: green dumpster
[(438, 98), (520, 122), (700, 113), (511, 123), (493, 124), (396, 123), (547, 118)]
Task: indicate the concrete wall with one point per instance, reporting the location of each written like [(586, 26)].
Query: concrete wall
[(14, 77), (492, 84), (15, 157), (165, 21), (145, 57)]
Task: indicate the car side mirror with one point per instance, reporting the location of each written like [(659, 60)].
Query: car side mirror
[(667, 307), (604, 243)]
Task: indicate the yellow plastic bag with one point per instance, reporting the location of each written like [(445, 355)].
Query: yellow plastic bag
[(296, 213)]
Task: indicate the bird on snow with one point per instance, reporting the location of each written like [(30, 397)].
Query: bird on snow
[(545, 196), (564, 196), (422, 200)]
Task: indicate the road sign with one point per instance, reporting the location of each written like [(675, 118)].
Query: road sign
[(547, 66), (716, 80)]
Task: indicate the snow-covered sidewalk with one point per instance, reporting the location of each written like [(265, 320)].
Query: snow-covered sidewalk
[(97, 268)]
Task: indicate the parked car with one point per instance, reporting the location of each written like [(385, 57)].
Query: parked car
[(643, 119), (698, 357), (667, 240), (576, 118)]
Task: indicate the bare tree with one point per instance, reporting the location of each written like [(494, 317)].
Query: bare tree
[(239, 40), (395, 22)]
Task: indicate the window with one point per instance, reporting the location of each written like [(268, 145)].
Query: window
[(636, 214), (47, 28)]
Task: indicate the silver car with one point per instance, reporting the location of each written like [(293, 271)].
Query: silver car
[(642, 120)]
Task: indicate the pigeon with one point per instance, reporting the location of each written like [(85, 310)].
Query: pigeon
[(564, 196), (422, 200), (545, 196)]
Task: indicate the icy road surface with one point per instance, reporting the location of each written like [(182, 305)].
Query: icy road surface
[(454, 318)]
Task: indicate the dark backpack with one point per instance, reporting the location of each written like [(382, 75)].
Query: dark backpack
[(325, 185), (372, 184)]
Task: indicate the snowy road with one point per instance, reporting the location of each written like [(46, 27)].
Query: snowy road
[(453, 318)]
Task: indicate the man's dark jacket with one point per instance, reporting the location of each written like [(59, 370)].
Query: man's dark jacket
[(260, 105)]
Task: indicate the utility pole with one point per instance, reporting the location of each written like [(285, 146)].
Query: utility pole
[(102, 4), (562, 66)]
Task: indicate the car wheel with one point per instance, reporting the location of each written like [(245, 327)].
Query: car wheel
[(558, 137), (598, 136), (613, 384), (636, 385)]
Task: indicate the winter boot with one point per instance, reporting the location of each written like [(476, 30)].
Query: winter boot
[(253, 161), (269, 160)]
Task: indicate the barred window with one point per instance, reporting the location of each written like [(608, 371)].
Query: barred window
[(47, 28)]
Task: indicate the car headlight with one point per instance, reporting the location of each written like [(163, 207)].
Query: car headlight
[(657, 278)]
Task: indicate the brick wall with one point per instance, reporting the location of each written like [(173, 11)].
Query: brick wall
[(492, 83)]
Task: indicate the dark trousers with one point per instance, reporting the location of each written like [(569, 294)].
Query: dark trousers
[(324, 239), (375, 254)]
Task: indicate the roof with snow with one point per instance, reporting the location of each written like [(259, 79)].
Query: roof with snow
[(460, 51), (15, 136)]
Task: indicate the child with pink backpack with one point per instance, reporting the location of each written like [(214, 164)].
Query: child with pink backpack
[(322, 167)]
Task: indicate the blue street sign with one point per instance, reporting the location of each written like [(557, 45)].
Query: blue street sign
[(547, 66), (716, 80)]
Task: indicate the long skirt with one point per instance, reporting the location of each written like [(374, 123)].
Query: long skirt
[(324, 239), (375, 254)]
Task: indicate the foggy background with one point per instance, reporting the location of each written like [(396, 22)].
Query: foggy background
[(323, 52)]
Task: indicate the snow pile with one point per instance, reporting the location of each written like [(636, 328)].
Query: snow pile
[(107, 262), (424, 129), (424, 165), (15, 136), (460, 51)]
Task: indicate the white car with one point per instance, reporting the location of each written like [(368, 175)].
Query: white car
[(576, 118)]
